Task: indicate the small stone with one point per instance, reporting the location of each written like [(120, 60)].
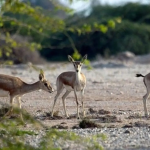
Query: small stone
[(92, 111), (103, 112), (60, 127), (121, 92), (127, 131), (128, 126), (63, 123)]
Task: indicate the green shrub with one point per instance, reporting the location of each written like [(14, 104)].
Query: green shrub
[(14, 135)]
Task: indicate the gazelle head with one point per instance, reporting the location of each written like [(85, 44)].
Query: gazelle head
[(44, 84), (77, 64)]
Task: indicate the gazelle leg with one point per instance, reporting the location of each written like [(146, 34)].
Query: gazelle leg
[(19, 101), (78, 117), (64, 103), (11, 108), (56, 97), (82, 100), (145, 97), (19, 104)]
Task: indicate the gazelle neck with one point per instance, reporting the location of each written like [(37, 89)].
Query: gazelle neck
[(78, 76), (26, 88)]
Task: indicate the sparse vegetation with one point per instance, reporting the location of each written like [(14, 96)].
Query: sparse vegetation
[(14, 135), (85, 123)]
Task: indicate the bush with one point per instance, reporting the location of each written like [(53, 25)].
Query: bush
[(33, 135), (20, 53), (131, 32)]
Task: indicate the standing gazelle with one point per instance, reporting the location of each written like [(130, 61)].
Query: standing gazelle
[(15, 88), (71, 81), (147, 84)]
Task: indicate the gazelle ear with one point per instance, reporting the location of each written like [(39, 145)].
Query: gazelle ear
[(84, 58), (70, 58), (41, 75)]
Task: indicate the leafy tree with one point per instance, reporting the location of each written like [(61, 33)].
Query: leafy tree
[(20, 18), (112, 29), (40, 25)]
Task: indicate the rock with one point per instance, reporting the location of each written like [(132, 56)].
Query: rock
[(140, 124), (60, 127), (128, 126), (63, 123), (76, 127), (127, 131), (108, 119), (88, 124), (103, 112), (143, 59), (125, 56), (92, 111)]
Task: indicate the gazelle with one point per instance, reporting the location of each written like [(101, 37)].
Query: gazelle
[(146, 81), (15, 88), (71, 81)]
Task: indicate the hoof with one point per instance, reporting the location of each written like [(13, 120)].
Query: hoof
[(25, 124), (84, 116), (67, 116), (52, 117)]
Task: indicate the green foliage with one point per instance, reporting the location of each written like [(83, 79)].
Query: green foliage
[(108, 30), (13, 22), (42, 22), (14, 135), (63, 136), (76, 55), (20, 18)]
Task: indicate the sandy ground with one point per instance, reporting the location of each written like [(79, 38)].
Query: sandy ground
[(111, 86)]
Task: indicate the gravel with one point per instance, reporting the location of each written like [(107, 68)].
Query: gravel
[(116, 138), (120, 138)]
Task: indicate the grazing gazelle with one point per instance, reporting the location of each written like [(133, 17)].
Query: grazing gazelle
[(71, 81), (147, 84), (15, 88)]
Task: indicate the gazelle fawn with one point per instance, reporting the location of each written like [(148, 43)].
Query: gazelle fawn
[(146, 81), (15, 88), (71, 81)]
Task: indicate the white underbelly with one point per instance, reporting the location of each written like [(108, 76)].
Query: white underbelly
[(68, 88), (4, 93)]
